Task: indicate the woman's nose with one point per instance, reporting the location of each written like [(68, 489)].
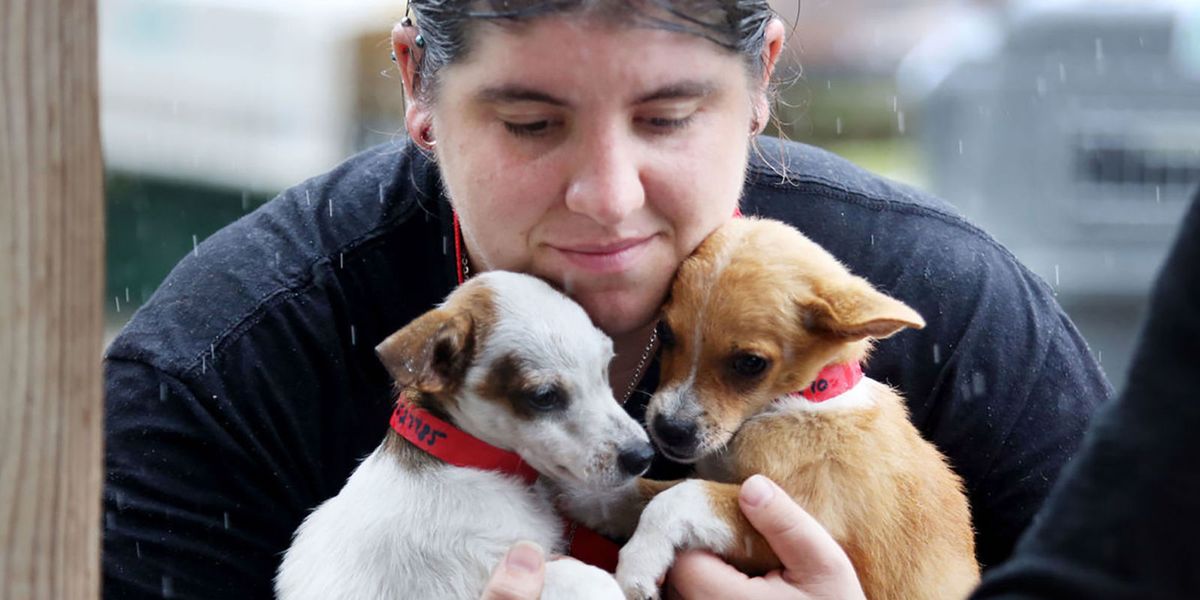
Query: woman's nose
[(606, 185)]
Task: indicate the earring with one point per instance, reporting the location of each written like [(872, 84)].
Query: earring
[(406, 22), (427, 137), (419, 41), (393, 56)]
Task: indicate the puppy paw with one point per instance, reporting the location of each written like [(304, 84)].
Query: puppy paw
[(643, 562), (680, 518), (569, 579)]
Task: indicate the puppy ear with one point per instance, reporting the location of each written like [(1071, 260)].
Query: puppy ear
[(857, 311), (430, 354)]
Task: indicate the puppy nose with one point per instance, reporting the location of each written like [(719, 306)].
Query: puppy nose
[(636, 459), (678, 434)]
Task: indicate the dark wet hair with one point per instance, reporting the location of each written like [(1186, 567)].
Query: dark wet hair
[(445, 25)]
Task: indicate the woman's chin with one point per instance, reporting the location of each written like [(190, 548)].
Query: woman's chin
[(618, 313)]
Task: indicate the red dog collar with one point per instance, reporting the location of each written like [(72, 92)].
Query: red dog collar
[(454, 445), (832, 381), (461, 449)]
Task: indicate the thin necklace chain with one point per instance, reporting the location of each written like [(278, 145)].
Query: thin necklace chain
[(637, 373), (641, 366)]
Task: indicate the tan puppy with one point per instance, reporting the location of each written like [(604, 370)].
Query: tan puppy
[(758, 313)]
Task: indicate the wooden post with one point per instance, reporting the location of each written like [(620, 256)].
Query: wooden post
[(51, 278)]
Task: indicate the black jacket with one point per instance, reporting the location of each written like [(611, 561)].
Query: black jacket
[(245, 391), (1124, 520)]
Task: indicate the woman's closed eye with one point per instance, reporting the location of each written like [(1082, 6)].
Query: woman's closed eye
[(664, 124), (528, 128)]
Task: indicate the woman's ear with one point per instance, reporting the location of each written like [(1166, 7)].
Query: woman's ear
[(773, 37), (418, 119)]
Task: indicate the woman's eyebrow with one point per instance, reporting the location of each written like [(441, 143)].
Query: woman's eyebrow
[(517, 93), (681, 90)]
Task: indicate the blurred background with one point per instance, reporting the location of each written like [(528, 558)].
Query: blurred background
[(1068, 129)]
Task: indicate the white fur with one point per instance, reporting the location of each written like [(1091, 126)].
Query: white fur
[(680, 518), (437, 532), (559, 344), (392, 533)]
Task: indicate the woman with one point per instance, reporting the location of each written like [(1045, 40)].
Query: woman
[(593, 144)]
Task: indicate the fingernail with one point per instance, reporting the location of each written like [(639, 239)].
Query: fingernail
[(757, 490), (525, 557)]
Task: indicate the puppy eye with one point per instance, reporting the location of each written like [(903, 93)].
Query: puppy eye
[(666, 336), (546, 399), (749, 365)]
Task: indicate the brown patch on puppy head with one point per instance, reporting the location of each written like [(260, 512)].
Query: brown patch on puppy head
[(757, 311), (430, 355), (509, 384)]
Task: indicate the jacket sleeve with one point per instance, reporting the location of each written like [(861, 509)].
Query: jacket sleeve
[(177, 486), (1122, 522)]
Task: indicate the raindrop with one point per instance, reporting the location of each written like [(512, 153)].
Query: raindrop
[(1056, 282), (829, 84), (331, 207), (245, 200), (226, 520), (1062, 73), (203, 364), (353, 337), (960, 147), (872, 239), (937, 354), (307, 200), (445, 245), (137, 547), (168, 587), (118, 299), (1099, 56), (127, 295), (1100, 356), (895, 103), (978, 385), (900, 121), (1158, 194), (162, 391), (195, 246), (381, 194), (1041, 87), (838, 125), (341, 260), (110, 520)]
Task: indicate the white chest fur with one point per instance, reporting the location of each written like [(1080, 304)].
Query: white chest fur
[(392, 533)]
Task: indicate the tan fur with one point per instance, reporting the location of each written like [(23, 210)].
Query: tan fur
[(885, 494)]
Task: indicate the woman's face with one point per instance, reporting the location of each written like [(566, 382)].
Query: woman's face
[(594, 156)]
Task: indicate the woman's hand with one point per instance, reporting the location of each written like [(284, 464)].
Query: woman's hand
[(519, 576), (814, 566)]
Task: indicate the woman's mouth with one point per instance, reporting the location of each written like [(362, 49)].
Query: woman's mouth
[(605, 257)]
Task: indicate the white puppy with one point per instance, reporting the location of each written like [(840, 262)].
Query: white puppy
[(516, 365)]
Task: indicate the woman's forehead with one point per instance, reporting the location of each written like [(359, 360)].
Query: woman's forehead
[(572, 51)]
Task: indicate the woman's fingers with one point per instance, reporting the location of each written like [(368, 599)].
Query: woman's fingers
[(697, 572), (519, 576), (806, 550)]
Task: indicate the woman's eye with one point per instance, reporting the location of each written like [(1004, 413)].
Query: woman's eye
[(665, 124), (531, 129)]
